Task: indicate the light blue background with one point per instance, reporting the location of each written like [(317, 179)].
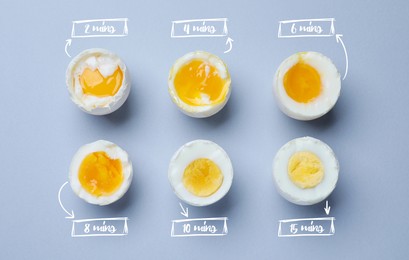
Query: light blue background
[(41, 129)]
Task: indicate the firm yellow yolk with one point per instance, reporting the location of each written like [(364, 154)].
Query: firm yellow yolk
[(305, 170), (198, 83), (100, 175), (95, 84), (202, 177), (302, 83)]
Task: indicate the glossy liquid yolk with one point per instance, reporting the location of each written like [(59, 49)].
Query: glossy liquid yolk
[(95, 84), (198, 83), (100, 175), (202, 177), (302, 83), (305, 170)]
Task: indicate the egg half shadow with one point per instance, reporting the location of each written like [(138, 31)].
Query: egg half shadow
[(218, 119), (337, 199), (125, 203), (123, 114), (326, 121), (322, 124), (314, 211), (218, 209)]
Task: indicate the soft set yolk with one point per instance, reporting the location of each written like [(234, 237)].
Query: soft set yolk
[(305, 170), (100, 175), (198, 83), (202, 177), (302, 83), (95, 84)]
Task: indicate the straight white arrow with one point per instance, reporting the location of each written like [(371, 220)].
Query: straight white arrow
[(327, 208), (184, 212)]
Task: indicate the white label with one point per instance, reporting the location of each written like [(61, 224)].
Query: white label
[(199, 227), (199, 28), (99, 227), (306, 227), (306, 28), (100, 28)]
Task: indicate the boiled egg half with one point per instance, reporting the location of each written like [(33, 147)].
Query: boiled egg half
[(100, 172), (200, 173), (98, 81), (199, 84), (305, 171), (306, 85)]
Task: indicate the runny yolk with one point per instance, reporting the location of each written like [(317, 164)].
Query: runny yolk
[(198, 83), (100, 175), (302, 83), (305, 169), (95, 84), (202, 177)]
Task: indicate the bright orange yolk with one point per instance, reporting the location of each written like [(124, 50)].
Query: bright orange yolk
[(95, 84), (302, 83), (100, 175), (202, 177), (198, 83)]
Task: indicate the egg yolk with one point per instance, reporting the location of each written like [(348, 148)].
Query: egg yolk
[(198, 83), (95, 84), (305, 170), (202, 177), (302, 83), (100, 175)]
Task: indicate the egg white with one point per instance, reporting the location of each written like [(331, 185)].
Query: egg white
[(114, 152), (292, 192), (331, 87), (190, 152), (199, 111), (107, 62)]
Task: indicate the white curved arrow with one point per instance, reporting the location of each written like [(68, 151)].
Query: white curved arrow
[(70, 215), (230, 42), (339, 39), (69, 41)]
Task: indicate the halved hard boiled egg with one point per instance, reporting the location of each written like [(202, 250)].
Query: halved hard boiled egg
[(305, 171), (200, 173), (306, 85), (98, 81), (199, 84), (100, 172)]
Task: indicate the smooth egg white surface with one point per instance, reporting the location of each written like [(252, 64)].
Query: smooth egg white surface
[(331, 87), (114, 152), (190, 152), (199, 111), (106, 62), (292, 192)]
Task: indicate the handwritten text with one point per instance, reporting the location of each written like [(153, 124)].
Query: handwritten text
[(199, 227)]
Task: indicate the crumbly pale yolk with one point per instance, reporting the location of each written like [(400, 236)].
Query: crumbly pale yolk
[(198, 83), (95, 84), (305, 169), (202, 177), (99, 174), (302, 82)]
